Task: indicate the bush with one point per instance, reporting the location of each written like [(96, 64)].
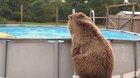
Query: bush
[(15, 16), (3, 20)]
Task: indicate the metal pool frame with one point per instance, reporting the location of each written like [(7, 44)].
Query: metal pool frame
[(56, 62)]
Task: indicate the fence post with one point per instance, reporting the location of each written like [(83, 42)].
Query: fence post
[(56, 15), (107, 17), (21, 9), (132, 17)]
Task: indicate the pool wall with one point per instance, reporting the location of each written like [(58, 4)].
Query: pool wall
[(38, 58)]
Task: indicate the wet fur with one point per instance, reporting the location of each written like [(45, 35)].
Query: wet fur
[(91, 53)]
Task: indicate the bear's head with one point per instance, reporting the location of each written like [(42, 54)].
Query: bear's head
[(79, 22)]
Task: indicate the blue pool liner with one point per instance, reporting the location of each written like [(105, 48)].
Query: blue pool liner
[(62, 32)]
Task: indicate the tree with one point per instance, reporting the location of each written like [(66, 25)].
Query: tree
[(64, 10), (45, 10), (4, 10), (40, 11)]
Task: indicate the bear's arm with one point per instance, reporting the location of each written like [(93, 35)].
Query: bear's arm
[(75, 50)]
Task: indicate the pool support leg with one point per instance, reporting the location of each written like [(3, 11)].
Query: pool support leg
[(56, 59), (5, 59), (135, 59)]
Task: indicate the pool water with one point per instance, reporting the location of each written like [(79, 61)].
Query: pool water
[(53, 32), (37, 32)]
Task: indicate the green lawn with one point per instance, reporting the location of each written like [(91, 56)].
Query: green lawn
[(47, 23), (36, 23)]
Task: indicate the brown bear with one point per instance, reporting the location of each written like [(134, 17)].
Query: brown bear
[(92, 54)]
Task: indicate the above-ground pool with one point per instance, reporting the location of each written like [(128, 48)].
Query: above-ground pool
[(60, 32), (36, 52)]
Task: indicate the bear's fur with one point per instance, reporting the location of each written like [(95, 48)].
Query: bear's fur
[(92, 55)]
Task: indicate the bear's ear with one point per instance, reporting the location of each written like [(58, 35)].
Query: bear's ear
[(86, 23), (81, 15)]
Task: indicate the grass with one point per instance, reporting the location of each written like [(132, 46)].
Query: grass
[(45, 24), (37, 23), (100, 26)]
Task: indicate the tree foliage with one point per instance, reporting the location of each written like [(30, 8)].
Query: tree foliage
[(45, 10)]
